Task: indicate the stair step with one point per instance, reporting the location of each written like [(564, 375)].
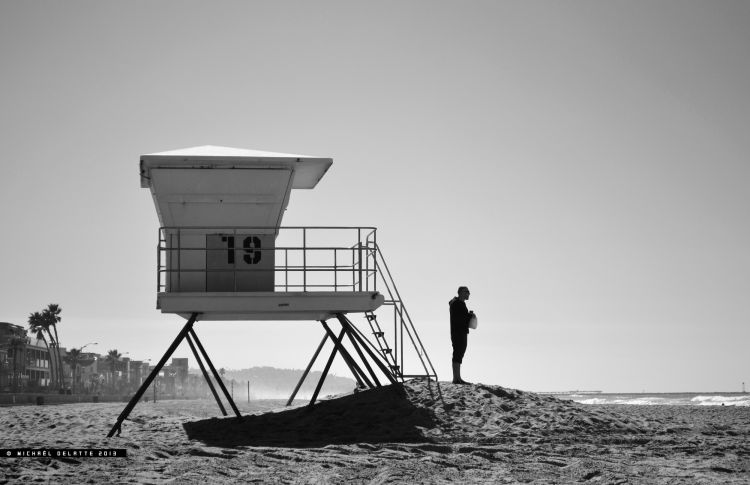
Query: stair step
[(386, 351), (378, 334), (370, 317)]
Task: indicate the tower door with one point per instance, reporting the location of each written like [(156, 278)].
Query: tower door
[(239, 262)]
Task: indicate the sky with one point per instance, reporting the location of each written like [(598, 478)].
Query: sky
[(582, 166)]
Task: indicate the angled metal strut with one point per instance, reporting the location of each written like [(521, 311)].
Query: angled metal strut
[(185, 334), (364, 379)]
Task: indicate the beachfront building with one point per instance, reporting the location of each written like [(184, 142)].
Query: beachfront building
[(24, 361), (4, 366), (137, 373), (180, 368), (115, 373), (37, 364), (130, 373), (10, 375), (173, 380), (95, 374), (125, 372), (144, 370)]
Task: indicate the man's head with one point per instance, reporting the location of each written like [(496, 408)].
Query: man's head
[(463, 293)]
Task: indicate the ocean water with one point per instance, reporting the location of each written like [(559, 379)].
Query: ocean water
[(670, 399)]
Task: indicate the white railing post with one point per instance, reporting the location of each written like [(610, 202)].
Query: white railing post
[(304, 259)]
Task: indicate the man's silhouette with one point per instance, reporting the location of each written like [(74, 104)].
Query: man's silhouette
[(460, 316)]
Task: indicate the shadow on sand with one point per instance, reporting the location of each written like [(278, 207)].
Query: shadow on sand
[(378, 415)]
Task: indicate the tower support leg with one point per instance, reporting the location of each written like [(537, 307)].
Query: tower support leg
[(307, 370), (205, 374), (364, 360), (216, 374), (362, 379), (326, 369), (141, 390)]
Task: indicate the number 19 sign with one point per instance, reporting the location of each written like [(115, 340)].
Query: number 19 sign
[(239, 262)]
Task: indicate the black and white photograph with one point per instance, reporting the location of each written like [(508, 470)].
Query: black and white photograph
[(359, 242)]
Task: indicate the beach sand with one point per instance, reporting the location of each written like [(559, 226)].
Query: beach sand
[(425, 434)]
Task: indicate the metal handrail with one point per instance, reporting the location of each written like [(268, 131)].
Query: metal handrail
[(277, 228), (363, 274), (406, 323)]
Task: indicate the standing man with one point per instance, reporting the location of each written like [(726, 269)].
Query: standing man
[(460, 316)]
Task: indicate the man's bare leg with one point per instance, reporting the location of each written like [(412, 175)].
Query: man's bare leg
[(457, 374)]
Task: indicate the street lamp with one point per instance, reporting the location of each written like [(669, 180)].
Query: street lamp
[(127, 368), (141, 373), (75, 363)]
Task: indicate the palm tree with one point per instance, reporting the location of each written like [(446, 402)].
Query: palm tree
[(73, 357), (17, 348), (38, 326), (44, 321), (113, 356), (51, 315)]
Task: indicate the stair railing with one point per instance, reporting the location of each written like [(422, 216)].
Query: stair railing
[(402, 320)]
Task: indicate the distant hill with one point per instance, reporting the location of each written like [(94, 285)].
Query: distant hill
[(273, 383)]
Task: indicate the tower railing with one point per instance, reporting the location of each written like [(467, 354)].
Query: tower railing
[(306, 259)]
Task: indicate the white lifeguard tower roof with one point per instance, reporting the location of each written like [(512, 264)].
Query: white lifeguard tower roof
[(308, 170), (222, 186)]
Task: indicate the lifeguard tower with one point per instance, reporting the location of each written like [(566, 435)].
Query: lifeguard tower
[(223, 255)]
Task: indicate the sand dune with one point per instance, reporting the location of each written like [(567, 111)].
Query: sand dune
[(423, 434)]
